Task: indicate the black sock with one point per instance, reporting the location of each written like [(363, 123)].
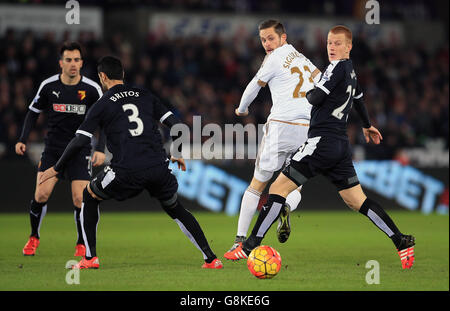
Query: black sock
[(37, 213), (77, 212), (267, 216), (191, 228), (89, 217), (378, 216)]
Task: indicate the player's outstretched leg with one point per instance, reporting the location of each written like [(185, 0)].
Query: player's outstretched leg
[(89, 217), (267, 216), (403, 243), (355, 198), (249, 205), (191, 228), (37, 213)]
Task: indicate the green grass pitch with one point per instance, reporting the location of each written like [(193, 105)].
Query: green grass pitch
[(327, 251)]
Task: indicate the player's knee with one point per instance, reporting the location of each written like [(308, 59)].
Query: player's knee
[(282, 186), (354, 197), (353, 206), (260, 178), (42, 196), (279, 190), (257, 185), (352, 203), (77, 200)]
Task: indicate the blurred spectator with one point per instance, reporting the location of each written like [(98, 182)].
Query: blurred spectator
[(391, 9), (406, 88)]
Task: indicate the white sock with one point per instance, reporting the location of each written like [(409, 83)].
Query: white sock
[(293, 199), (249, 204)]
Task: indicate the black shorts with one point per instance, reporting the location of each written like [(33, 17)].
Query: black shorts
[(79, 167), (121, 185), (327, 156)]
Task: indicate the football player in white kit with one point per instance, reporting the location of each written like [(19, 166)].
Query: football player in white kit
[(289, 75)]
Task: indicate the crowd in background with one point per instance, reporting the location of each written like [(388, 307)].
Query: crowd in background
[(390, 9), (406, 89)]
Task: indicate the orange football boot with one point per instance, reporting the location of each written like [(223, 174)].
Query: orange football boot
[(237, 242), (31, 246), (215, 264), (236, 254), (84, 263), (406, 251)]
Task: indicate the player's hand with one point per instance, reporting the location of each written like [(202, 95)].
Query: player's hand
[(180, 161), (241, 114), (47, 174), (373, 134), (21, 148), (98, 158)]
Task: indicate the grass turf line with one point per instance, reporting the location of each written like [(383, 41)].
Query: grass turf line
[(327, 251)]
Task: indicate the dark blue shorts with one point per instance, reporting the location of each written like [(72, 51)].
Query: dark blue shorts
[(117, 184), (79, 167), (327, 156)]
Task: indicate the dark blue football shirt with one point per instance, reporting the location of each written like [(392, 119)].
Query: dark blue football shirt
[(340, 84), (129, 117)]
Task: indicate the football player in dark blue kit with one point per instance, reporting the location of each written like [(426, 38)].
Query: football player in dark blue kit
[(65, 98), (328, 152), (129, 118)]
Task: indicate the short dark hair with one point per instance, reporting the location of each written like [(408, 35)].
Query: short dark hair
[(70, 46), (279, 28), (111, 66)]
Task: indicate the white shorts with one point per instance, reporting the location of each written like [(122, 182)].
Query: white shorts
[(281, 139)]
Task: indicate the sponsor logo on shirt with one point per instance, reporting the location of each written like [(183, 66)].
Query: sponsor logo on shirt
[(70, 108)]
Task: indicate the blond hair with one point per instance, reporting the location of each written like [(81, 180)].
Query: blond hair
[(342, 29)]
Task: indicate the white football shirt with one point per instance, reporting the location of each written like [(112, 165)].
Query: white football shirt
[(288, 74)]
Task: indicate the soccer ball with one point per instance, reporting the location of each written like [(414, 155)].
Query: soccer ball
[(264, 262)]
